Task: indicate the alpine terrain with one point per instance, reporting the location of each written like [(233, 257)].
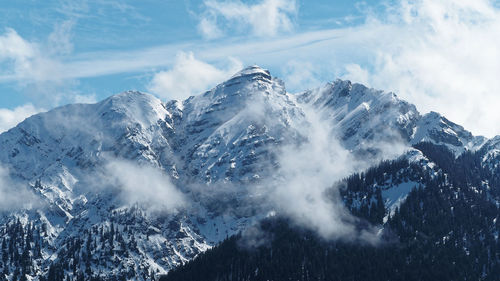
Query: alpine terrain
[(134, 188)]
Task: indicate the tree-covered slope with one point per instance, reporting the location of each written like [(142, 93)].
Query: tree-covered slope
[(446, 229)]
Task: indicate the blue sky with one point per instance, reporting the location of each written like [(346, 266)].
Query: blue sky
[(94, 27), (439, 55)]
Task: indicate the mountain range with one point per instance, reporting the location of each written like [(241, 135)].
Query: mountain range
[(131, 187)]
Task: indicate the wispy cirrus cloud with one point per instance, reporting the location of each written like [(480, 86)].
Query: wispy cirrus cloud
[(265, 18), (439, 55), (270, 51)]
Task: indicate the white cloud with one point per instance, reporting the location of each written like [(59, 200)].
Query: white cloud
[(300, 76), (38, 67), (307, 172), (266, 18), (9, 118), (26, 61), (208, 27), (14, 46), (190, 76), (14, 195), (145, 185), (442, 56), (59, 41)]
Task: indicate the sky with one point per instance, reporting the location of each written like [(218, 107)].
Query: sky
[(441, 55)]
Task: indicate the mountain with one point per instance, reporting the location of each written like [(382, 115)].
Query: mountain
[(365, 117), (132, 187), (223, 133)]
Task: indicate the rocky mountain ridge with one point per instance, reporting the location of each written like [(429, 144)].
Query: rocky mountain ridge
[(214, 147)]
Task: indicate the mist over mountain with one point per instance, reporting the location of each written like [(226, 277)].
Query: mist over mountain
[(131, 187)]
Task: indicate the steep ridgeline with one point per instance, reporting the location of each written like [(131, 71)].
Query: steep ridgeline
[(61, 155), (225, 133), (214, 147), (225, 136), (365, 118)]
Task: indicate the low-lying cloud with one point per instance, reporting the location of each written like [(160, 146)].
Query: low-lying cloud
[(14, 195), (145, 185), (307, 173)]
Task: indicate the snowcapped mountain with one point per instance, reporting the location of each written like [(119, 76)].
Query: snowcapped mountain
[(433, 127), (363, 115), (366, 117), (491, 151), (212, 146), (225, 133)]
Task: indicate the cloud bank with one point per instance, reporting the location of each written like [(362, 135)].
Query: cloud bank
[(442, 56)]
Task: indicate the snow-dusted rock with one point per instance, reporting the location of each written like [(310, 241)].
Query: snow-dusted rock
[(220, 141)]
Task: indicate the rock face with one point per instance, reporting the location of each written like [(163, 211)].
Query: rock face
[(225, 134), (213, 146)]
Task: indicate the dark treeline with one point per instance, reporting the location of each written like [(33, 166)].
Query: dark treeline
[(446, 230)]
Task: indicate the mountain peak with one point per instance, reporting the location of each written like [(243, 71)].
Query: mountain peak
[(342, 88), (140, 107), (228, 139), (433, 115), (131, 96), (252, 71)]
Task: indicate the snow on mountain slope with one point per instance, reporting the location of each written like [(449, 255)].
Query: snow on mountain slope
[(75, 134), (491, 151), (62, 147), (433, 127), (213, 146), (365, 118), (228, 133), (217, 136), (61, 153)]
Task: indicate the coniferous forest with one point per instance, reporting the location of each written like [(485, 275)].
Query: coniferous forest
[(446, 229), (249, 140)]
